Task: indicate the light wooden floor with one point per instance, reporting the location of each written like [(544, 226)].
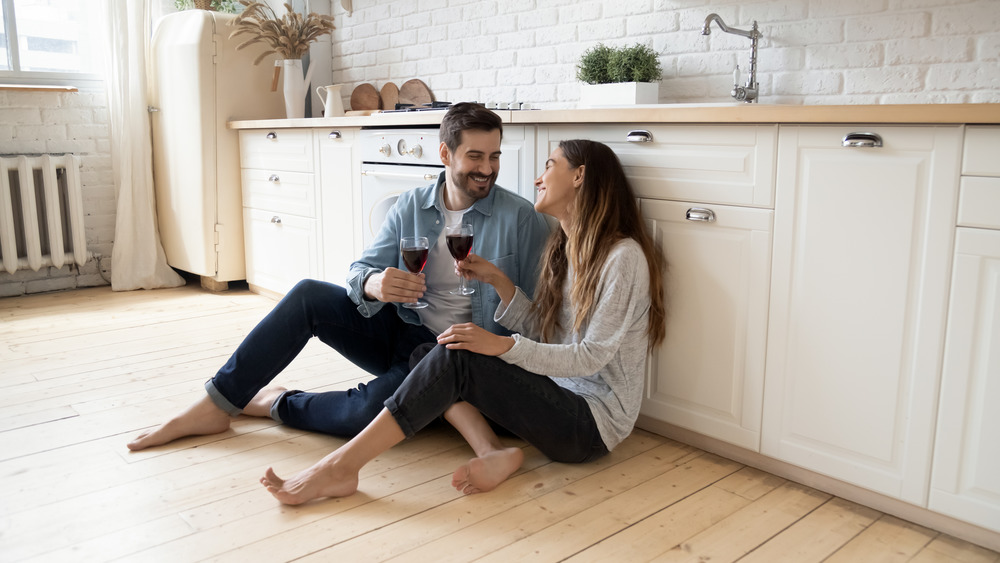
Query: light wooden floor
[(84, 371)]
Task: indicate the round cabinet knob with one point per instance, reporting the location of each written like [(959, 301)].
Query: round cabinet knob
[(385, 150), (276, 220), (416, 151), (272, 135), (273, 178)]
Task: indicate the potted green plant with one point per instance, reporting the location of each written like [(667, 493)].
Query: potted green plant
[(615, 76)]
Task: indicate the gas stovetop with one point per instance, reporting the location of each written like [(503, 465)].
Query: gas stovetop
[(440, 106)]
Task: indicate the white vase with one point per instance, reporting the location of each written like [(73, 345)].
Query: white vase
[(295, 87), (619, 94)]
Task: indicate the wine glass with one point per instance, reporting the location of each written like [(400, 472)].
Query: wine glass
[(459, 239), (414, 251)]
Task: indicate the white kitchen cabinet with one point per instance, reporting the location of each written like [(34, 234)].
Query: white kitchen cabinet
[(279, 208), (965, 482), (285, 250), (339, 168), (966, 478), (708, 376), (861, 266)]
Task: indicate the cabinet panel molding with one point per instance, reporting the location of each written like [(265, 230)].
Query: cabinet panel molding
[(862, 255), (966, 478)]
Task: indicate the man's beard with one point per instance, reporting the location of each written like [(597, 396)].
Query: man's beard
[(463, 183)]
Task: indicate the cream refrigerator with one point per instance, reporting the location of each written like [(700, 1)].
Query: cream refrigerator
[(198, 83)]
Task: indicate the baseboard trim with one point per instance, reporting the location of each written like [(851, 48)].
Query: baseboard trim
[(912, 513)]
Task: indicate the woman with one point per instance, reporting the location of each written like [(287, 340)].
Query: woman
[(570, 383)]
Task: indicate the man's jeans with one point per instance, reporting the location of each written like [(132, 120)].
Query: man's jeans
[(380, 345), (556, 421)]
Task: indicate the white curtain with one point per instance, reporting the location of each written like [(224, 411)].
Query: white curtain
[(137, 260)]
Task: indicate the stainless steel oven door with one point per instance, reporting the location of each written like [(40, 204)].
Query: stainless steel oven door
[(381, 184)]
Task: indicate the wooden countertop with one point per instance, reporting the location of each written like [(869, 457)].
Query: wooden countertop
[(678, 113)]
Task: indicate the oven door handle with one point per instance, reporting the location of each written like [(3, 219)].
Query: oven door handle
[(414, 175)]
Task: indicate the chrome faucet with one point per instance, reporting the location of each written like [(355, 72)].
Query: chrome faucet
[(749, 92)]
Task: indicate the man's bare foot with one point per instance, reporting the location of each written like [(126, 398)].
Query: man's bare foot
[(261, 403), (322, 480), (199, 419), (486, 472)]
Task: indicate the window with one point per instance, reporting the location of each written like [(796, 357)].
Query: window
[(50, 42)]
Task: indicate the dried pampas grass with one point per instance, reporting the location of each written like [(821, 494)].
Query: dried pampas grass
[(289, 36)]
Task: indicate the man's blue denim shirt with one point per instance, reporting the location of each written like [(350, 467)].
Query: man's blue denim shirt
[(508, 232)]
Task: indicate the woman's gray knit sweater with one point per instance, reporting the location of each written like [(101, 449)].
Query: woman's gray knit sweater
[(605, 363)]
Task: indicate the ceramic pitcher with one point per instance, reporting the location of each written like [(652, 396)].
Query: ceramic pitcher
[(333, 103)]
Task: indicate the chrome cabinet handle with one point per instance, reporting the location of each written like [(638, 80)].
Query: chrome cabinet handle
[(274, 179), (272, 135), (639, 136), (276, 220), (700, 214), (335, 135), (866, 140)]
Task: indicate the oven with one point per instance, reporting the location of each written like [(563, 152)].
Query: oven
[(394, 161)]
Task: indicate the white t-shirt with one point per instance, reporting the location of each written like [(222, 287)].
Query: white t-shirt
[(443, 309)]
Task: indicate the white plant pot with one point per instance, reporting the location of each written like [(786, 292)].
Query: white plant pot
[(619, 94)]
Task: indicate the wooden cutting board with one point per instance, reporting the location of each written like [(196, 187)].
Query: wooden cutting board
[(365, 97), (415, 92), (390, 95)]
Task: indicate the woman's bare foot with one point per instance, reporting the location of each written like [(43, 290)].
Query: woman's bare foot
[(322, 480), (199, 419), (261, 403), (486, 472)]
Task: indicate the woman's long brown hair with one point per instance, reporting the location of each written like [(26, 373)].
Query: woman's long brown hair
[(604, 212)]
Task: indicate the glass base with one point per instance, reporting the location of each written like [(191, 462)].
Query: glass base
[(418, 305), (462, 291)]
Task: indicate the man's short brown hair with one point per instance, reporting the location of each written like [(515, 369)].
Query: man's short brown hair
[(467, 116)]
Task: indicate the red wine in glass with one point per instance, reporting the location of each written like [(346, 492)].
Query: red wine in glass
[(459, 239), (414, 253)]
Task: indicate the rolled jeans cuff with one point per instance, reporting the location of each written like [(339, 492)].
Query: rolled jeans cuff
[(401, 420), (220, 401)]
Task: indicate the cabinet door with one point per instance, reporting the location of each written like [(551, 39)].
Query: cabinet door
[(282, 249), (862, 254), (966, 478), (708, 376), (338, 171)]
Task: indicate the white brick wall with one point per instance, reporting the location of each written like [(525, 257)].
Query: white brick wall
[(73, 122), (813, 51)]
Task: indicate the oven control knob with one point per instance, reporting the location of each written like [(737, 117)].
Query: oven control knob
[(385, 150), (416, 151)]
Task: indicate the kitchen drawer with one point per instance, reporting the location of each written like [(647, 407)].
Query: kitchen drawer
[(285, 192), (725, 164), (982, 145), (289, 150), (281, 249), (979, 202)]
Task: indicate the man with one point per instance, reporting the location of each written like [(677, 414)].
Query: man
[(355, 321)]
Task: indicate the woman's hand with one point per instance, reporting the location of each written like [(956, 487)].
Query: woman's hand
[(472, 337), (478, 268)]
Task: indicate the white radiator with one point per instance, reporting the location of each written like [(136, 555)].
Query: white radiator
[(41, 212)]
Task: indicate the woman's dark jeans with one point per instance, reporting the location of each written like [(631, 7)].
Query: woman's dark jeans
[(556, 421), (380, 345)]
